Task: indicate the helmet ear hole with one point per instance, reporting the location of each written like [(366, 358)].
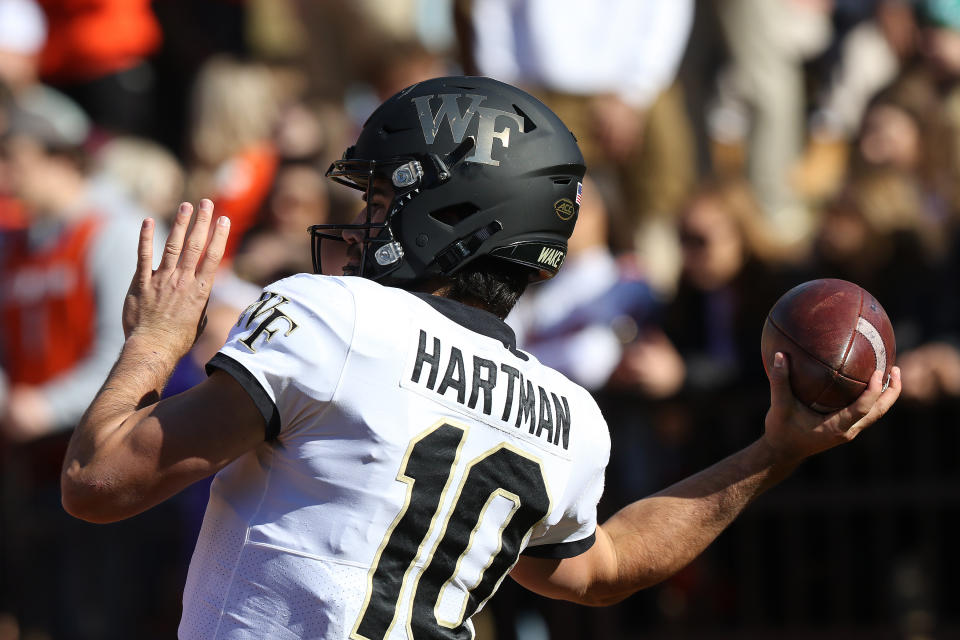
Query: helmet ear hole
[(528, 124), (454, 214)]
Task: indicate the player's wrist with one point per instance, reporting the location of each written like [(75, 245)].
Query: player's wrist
[(152, 350), (781, 454)]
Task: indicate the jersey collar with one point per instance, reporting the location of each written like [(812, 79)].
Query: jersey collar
[(472, 318)]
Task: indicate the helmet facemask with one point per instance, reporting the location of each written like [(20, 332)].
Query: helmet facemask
[(381, 252)]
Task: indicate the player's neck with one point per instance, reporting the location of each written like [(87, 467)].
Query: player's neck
[(444, 289)]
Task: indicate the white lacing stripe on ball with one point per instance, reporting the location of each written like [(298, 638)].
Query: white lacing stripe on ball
[(870, 333)]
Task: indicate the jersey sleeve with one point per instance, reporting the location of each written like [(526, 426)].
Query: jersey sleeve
[(571, 529), (289, 347)]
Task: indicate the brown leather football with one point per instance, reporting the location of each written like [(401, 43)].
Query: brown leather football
[(835, 335)]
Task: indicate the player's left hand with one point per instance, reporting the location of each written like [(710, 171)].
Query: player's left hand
[(796, 432), (167, 306)]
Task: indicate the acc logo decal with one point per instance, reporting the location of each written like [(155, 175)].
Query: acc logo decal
[(449, 110), (564, 208)]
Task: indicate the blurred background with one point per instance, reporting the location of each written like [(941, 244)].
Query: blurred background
[(735, 148)]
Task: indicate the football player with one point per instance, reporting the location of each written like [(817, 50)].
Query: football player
[(385, 455)]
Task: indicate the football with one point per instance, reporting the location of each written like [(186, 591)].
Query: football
[(835, 335)]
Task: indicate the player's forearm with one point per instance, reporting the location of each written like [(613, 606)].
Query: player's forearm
[(135, 382), (655, 537)]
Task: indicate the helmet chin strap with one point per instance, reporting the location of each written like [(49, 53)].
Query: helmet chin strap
[(450, 258)]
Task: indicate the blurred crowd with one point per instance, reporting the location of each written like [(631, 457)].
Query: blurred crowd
[(735, 148)]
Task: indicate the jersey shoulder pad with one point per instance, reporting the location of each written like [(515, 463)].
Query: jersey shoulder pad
[(293, 339)]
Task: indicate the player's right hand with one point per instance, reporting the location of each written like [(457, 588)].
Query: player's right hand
[(166, 306), (796, 432)]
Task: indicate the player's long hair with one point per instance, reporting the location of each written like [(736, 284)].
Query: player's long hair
[(492, 284)]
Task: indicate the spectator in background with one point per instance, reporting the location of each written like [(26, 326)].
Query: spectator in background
[(405, 62), (23, 31), (895, 228), (919, 113), (62, 283), (731, 276), (769, 40), (235, 112), (12, 215), (880, 39), (609, 74), (698, 367), (877, 234), (662, 369), (310, 129), (579, 321), (61, 277), (933, 370), (279, 246), (939, 39), (98, 52), (905, 129), (598, 322), (146, 173)]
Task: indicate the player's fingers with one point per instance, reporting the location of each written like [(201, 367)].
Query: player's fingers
[(780, 392), (891, 393), (872, 404), (851, 414), (197, 238), (864, 403), (174, 245), (214, 252), (145, 252)]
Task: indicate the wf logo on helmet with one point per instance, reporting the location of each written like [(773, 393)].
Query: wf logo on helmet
[(449, 110)]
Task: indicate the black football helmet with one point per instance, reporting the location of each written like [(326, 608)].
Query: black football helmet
[(478, 168)]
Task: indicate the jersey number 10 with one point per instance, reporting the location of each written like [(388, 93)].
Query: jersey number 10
[(427, 470)]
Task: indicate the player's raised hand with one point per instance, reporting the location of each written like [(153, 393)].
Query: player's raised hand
[(167, 305), (797, 432)]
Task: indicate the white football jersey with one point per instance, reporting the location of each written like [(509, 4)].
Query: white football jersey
[(412, 453)]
